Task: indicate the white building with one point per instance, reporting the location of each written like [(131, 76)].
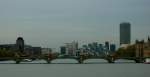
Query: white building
[(71, 48)]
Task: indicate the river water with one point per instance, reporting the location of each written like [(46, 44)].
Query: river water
[(69, 68)]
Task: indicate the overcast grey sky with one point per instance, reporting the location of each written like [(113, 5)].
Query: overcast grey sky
[(51, 23)]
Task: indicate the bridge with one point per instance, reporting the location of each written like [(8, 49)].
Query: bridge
[(80, 59)]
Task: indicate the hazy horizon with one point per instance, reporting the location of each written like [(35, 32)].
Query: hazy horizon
[(51, 23)]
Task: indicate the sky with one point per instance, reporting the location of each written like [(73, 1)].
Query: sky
[(51, 23)]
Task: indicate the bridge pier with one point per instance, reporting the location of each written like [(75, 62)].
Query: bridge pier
[(110, 60), (139, 60), (18, 61), (17, 58), (48, 61), (80, 61)]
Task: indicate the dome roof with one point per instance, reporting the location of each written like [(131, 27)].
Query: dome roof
[(19, 38)]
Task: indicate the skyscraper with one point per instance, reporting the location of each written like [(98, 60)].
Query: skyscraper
[(107, 46), (63, 50), (125, 33)]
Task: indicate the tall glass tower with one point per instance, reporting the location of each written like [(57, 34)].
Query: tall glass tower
[(125, 33)]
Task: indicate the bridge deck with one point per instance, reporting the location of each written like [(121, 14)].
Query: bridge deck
[(70, 58)]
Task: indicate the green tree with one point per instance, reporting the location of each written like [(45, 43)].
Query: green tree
[(126, 52)]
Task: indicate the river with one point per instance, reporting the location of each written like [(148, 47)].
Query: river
[(70, 68)]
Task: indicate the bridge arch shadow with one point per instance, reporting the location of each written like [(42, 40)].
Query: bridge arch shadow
[(7, 62), (91, 61), (124, 61), (64, 61)]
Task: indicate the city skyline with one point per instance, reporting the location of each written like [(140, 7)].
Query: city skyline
[(53, 23)]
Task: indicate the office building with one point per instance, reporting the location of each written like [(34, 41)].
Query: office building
[(125, 33), (112, 47), (63, 50), (107, 46), (71, 48)]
